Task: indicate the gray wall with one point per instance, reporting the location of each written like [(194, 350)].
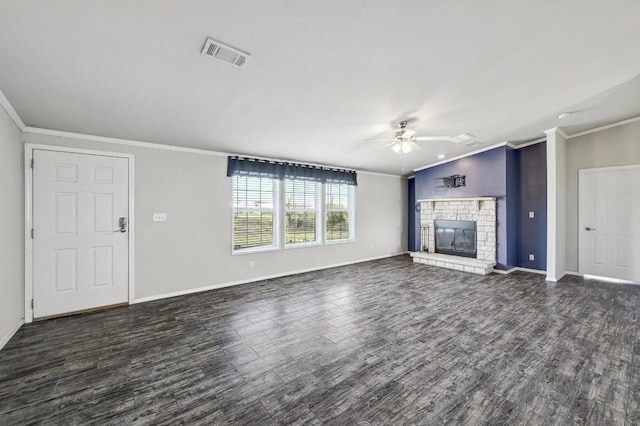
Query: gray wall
[(618, 146), (12, 219), (193, 248)]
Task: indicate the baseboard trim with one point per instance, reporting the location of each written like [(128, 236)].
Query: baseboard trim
[(11, 332), (609, 280), (553, 279), (255, 279), (519, 269), (604, 279)]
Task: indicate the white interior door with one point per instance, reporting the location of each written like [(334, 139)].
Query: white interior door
[(609, 222), (80, 255)]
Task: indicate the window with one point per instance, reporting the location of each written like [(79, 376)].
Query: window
[(301, 216), (271, 213), (255, 223), (339, 212)]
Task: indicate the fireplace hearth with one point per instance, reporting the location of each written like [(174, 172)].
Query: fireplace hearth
[(456, 237)]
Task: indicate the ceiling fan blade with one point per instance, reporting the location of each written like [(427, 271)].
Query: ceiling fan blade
[(433, 138), (414, 146), (386, 145), (381, 140), (408, 134), (465, 137)]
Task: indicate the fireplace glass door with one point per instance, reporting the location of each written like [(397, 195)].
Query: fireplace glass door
[(456, 237)]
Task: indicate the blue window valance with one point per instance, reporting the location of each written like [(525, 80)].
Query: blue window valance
[(246, 166)]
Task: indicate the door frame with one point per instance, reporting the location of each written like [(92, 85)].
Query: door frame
[(28, 222), (581, 173)]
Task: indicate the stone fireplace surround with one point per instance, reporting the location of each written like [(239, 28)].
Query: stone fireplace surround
[(482, 210)]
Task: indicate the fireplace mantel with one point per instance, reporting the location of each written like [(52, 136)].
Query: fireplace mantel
[(431, 202), (459, 199)]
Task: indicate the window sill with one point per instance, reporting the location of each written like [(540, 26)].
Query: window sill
[(301, 245), (254, 250), (290, 247), (346, 240)]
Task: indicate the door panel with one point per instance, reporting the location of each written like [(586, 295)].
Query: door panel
[(80, 258), (65, 267), (102, 210), (103, 266), (599, 248), (609, 229)]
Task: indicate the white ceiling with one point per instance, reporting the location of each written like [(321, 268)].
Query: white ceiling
[(324, 76)]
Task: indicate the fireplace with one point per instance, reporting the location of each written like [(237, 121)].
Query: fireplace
[(456, 237), (458, 234)]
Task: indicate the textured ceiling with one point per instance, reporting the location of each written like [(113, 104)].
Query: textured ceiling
[(324, 76)]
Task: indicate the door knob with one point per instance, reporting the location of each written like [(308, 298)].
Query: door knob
[(122, 223), (588, 228)]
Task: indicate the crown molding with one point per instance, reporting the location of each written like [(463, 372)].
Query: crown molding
[(151, 145), (533, 142), (117, 141), (605, 127), (458, 157), (11, 111), (505, 143), (366, 172), (556, 130)]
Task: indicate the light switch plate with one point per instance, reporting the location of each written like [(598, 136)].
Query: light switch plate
[(532, 257), (532, 215), (159, 217)]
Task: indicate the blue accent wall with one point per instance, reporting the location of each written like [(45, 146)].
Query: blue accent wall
[(531, 165), (414, 221), (518, 180), (485, 177), (511, 181)]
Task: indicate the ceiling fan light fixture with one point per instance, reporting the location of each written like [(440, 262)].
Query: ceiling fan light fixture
[(402, 146)]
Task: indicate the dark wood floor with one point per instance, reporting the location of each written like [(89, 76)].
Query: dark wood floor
[(383, 342)]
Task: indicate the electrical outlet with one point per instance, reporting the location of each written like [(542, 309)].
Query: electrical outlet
[(532, 257), (251, 264), (159, 217), (532, 215)]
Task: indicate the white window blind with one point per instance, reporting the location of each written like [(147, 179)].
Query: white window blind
[(254, 214), (339, 212), (301, 212)]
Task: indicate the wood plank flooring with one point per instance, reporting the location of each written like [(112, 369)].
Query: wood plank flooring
[(382, 342)]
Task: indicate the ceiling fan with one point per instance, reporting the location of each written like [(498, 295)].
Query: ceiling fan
[(404, 140)]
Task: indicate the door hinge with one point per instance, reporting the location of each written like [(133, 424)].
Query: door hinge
[(31, 232), (31, 303), (32, 163)]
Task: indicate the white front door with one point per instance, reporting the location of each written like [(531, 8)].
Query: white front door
[(609, 222), (80, 257)]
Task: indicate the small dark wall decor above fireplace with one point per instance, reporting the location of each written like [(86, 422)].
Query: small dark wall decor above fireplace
[(456, 237), (453, 181)]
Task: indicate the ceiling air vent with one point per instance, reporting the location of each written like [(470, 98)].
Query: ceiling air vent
[(223, 53)]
